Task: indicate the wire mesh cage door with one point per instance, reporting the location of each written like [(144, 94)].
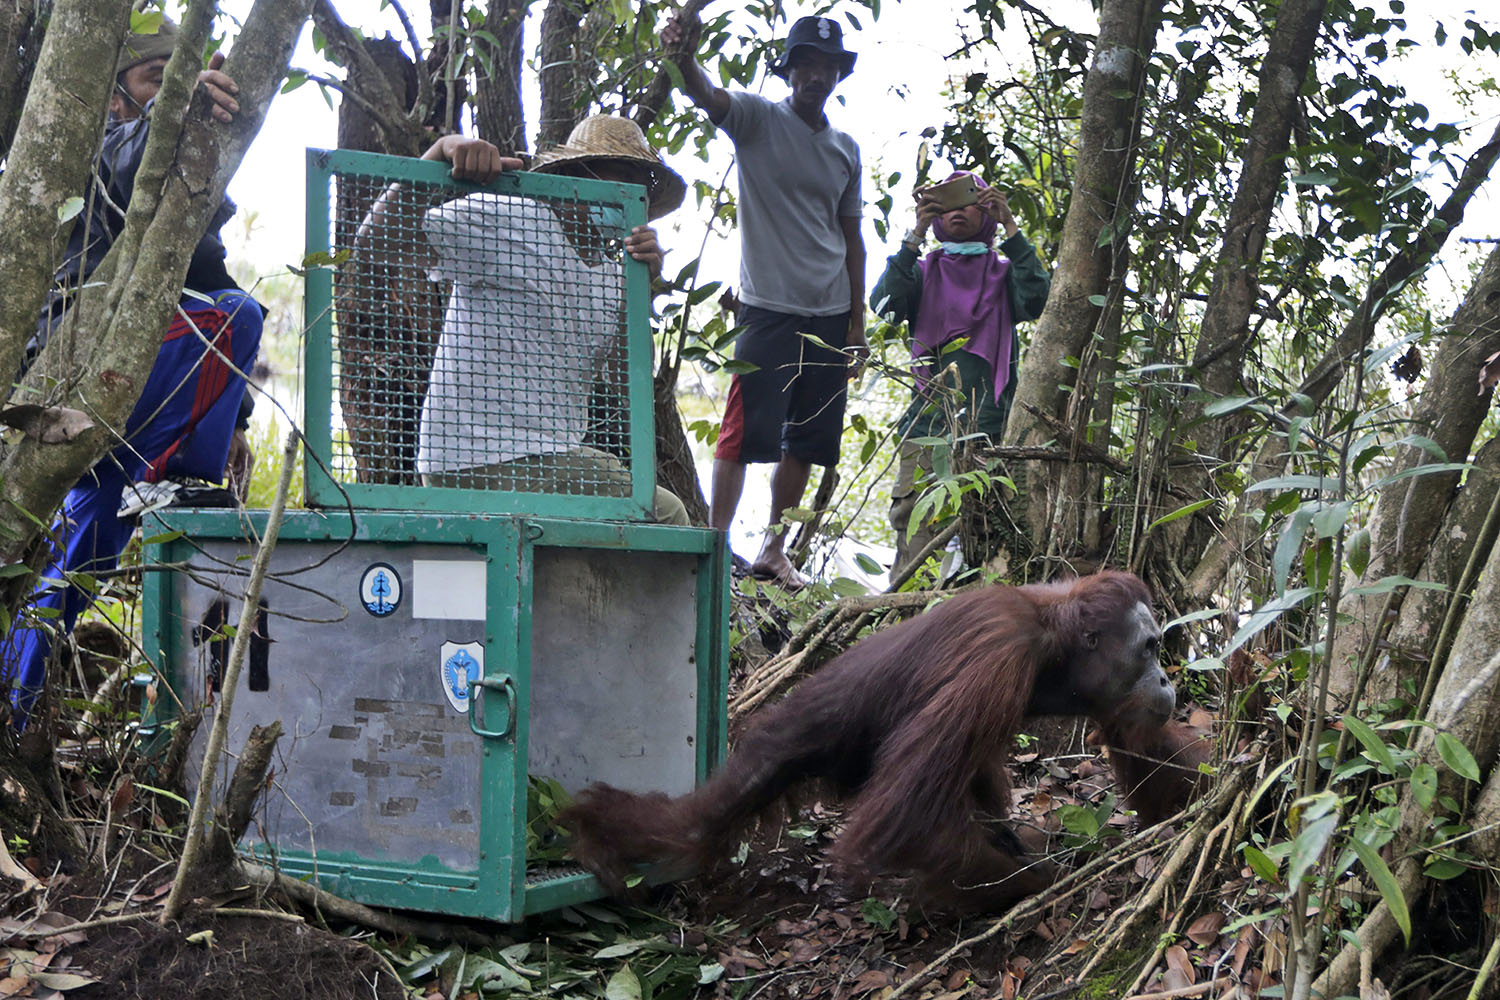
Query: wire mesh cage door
[(475, 348)]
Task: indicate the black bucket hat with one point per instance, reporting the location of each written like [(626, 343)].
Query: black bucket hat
[(821, 33)]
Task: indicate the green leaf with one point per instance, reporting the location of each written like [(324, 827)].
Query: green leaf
[(1372, 743), (869, 565), (621, 949), (1229, 404), (1444, 868), (1263, 866), (845, 587), (1328, 521), (1288, 545), (1357, 551), (1457, 756), (1077, 819), (145, 22), (1193, 616), (710, 973), (13, 569), (1313, 836), (1424, 779), (70, 207), (873, 911), (1180, 512), (1315, 179), (1421, 470), (1264, 615), (1386, 584), (1294, 482), (623, 985), (1098, 300), (1385, 881)]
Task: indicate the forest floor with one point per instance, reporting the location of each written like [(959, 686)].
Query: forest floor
[(771, 922)]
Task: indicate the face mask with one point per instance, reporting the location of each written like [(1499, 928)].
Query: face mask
[(609, 220)]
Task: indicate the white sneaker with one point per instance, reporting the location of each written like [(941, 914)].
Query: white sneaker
[(141, 498)]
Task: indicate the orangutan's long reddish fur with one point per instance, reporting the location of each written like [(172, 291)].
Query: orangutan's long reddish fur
[(915, 722), (1156, 771)]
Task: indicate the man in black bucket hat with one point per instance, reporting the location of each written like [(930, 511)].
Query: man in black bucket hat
[(802, 263), (821, 33)]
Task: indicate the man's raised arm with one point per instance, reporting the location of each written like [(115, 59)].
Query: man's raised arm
[(680, 31)]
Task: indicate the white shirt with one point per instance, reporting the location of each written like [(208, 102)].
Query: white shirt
[(525, 326)]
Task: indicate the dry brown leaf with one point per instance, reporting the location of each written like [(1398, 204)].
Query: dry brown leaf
[(46, 424), (874, 979), (955, 994), (1100, 900), (843, 920), (1275, 950), (1177, 959), (1145, 865), (1078, 945), (10, 869), (806, 951), (123, 796), (1242, 945), (1489, 373), (955, 979), (1175, 979), (1205, 930), (1009, 986), (1044, 930)]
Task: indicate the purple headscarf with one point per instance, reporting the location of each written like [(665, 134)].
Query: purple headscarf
[(964, 295)]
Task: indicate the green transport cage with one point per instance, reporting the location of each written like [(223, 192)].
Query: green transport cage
[(430, 640)]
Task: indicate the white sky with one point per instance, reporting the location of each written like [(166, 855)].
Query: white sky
[(895, 92)]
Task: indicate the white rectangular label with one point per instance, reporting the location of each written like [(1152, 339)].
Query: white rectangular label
[(448, 588)]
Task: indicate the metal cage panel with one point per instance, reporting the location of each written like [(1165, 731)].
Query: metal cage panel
[(475, 349), (396, 782)]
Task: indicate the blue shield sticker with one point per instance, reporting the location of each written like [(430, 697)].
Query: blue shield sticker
[(459, 664)]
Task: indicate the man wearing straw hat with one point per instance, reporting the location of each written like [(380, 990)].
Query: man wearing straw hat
[(520, 266), (802, 265), (188, 423)]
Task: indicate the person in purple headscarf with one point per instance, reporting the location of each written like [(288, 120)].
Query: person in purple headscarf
[(962, 301)]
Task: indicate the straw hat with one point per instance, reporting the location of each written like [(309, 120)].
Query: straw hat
[(608, 137)]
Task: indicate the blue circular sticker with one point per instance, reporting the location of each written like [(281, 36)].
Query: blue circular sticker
[(380, 590)]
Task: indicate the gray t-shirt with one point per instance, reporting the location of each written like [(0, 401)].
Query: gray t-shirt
[(795, 184)]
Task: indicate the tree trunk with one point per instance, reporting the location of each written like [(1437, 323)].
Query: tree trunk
[(51, 160), (569, 34), (498, 90), (1409, 262), (131, 297), (675, 469), (1409, 513), (21, 25), (1466, 538), (1097, 218)]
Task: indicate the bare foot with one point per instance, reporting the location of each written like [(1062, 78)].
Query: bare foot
[(778, 569)]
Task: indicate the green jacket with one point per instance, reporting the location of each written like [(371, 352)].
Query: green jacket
[(898, 296)]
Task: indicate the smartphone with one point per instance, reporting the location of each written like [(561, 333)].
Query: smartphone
[(958, 192)]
